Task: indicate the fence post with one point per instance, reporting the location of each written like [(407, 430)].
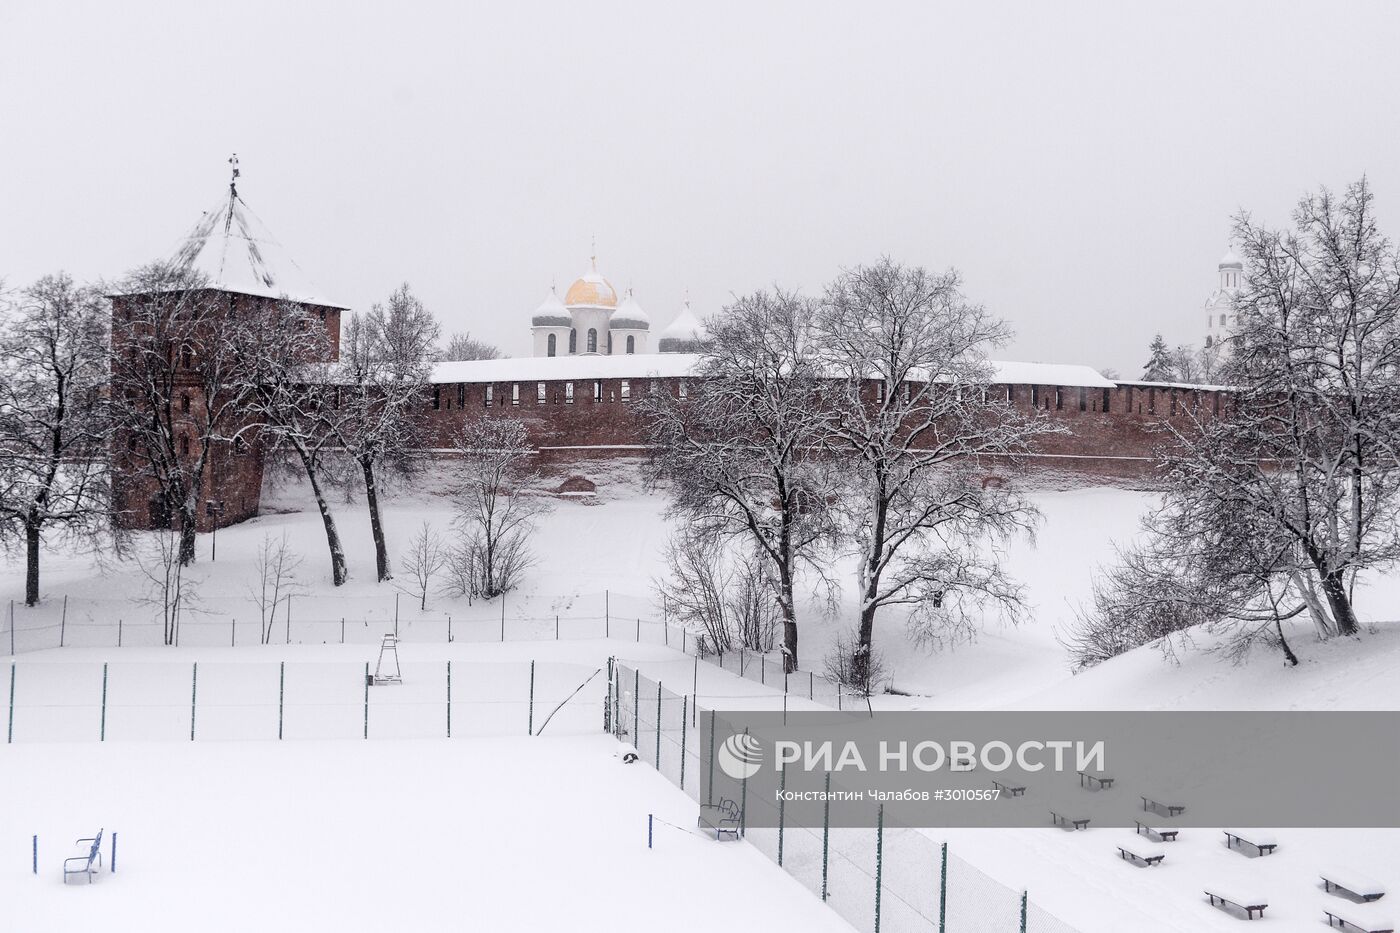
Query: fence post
[(503, 617), (636, 706), (556, 627), (685, 713), (12, 628), (396, 615), (288, 614), (449, 630), (826, 833), (102, 729), (10, 736), (119, 635), (1023, 912), (36, 854), (366, 699), (880, 862), (710, 786), (666, 632), (63, 621), (811, 692), (449, 696), (742, 658), (943, 892), (281, 695), (532, 698), (658, 725), (608, 704), (233, 633), (744, 802), (342, 627), (194, 693), (112, 861), (607, 612)]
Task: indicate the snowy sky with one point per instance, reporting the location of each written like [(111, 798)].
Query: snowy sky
[(1078, 162)]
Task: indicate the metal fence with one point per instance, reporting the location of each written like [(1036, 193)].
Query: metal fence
[(881, 879), (241, 701)]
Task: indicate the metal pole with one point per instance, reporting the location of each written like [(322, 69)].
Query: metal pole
[(289, 618), (119, 635), (658, 725), (112, 861), (607, 705), (782, 804), (281, 695), (710, 787), (556, 627), (449, 630), (366, 699), (449, 697), (880, 863), (396, 615), (532, 698), (503, 617), (685, 714), (63, 621), (12, 628), (826, 833), (232, 633), (639, 630), (649, 828), (1023, 912), (11, 735), (102, 730), (194, 693), (36, 854), (636, 705), (943, 893)]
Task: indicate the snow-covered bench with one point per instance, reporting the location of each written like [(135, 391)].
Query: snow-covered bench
[(1010, 790), (720, 818), (1137, 849), (1163, 835), (1068, 822), (1151, 805), (1344, 879), (1249, 903), (82, 864), (1358, 918), (1264, 843), (1095, 780)]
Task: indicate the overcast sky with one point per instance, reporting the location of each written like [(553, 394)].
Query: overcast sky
[(1078, 163)]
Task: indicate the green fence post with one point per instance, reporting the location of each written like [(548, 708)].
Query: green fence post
[(826, 833), (608, 704), (636, 706), (194, 692), (744, 802), (102, 731), (685, 714), (10, 737), (366, 699), (531, 727), (281, 695), (1023, 912), (710, 788), (943, 893), (658, 725), (449, 696), (782, 786), (880, 861)]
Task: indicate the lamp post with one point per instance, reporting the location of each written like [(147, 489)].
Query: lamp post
[(214, 508)]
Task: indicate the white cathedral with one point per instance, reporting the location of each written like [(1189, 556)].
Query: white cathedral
[(1219, 307), (591, 321)]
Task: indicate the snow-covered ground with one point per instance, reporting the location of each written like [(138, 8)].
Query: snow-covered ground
[(320, 802)]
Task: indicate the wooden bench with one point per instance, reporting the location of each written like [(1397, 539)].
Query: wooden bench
[(1134, 850), (1357, 885), (721, 818), (1094, 781), (1168, 810), (1354, 919), (1163, 835), (1250, 905), (1263, 843), (1068, 822), (82, 864), (1008, 789)]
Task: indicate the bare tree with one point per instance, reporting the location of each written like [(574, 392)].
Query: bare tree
[(53, 418), (179, 386), (725, 598), (276, 569), (914, 419), (425, 559), (386, 364), (741, 454), (495, 512), (463, 346), (1201, 366), (173, 594)]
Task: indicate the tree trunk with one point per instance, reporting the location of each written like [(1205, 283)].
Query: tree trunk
[(327, 519), (31, 571), (789, 620), (1288, 654), (189, 520), (1343, 614), (376, 527)]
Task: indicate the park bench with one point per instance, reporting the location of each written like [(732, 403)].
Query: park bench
[(1135, 851), (1163, 835), (1009, 789), (1263, 843), (1092, 781), (1068, 822), (720, 818), (1149, 805), (1353, 918), (1359, 886), (1221, 897), (82, 864)]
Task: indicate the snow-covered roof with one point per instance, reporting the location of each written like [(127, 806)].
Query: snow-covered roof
[(551, 312), (236, 253), (686, 326), (1230, 260), (591, 290), (630, 314), (670, 365), (1198, 386)]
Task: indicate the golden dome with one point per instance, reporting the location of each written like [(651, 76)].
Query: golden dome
[(591, 290)]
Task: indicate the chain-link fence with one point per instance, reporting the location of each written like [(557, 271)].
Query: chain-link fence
[(880, 879), (160, 700)]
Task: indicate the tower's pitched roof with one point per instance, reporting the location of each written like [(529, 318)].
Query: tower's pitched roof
[(232, 248), (686, 326)]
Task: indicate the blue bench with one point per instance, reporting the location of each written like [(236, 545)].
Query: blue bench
[(82, 864), (720, 819)]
